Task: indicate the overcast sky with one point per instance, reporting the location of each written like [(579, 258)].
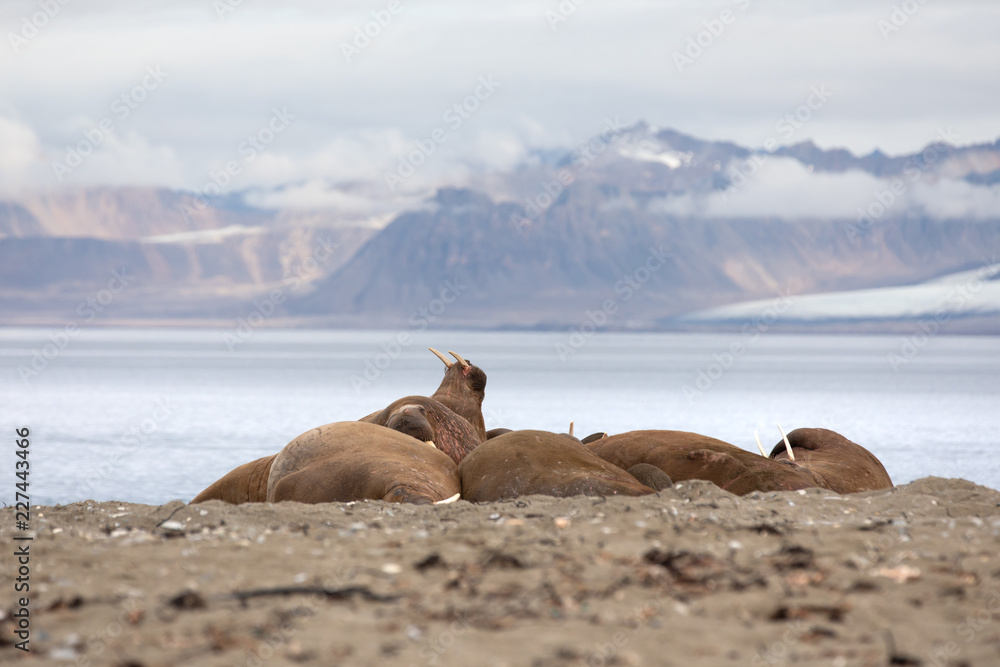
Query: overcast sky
[(223, 68)]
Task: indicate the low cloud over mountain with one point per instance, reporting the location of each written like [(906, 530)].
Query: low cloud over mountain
[(639, 227)]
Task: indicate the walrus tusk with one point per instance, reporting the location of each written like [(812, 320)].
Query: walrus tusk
[(431, 443), (465, 364), (447, 363), (759, 446), (449, 500), (571, 429), (788, 446)]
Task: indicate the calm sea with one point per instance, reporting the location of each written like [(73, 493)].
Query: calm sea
[(149, 416)]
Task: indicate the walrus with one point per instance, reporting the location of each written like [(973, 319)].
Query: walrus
[(412, 420), (244, 484), (451, 434), (837, 463), (347, 461), (248, 483), (454, 411), (521, 463), (683, 455), (463, 390)]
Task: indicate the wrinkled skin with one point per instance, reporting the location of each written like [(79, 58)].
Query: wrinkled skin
[(837, 463), (682, 456), (244, 484), (347, 461), (528, 462), (453, 434), (412, 420), (463, 391), (453, 416)]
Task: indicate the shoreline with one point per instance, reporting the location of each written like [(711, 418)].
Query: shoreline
[(693, 575)]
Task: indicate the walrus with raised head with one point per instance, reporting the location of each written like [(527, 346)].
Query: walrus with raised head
[(463, 390), (521, 463), (444, 423), (347, 461), (837, 463), (448, 432), (453, 412), (683, 456)]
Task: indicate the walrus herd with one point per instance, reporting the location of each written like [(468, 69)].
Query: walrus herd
[(436, 449)]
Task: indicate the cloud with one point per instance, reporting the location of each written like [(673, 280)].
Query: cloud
[(20, 155), (953, 199), (785, 188), (559, 83), (781, 187), (319, 194)]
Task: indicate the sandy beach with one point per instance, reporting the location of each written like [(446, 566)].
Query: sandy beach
[(692, 576)]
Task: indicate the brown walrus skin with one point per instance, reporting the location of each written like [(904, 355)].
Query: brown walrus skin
[(463, 390), (521, 463), (248, 482), (347, 461), (412, 420), (244, 484), (839, 464), (683, 455), (453, 434)]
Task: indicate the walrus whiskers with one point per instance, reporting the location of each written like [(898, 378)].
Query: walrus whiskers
[(447, 363), (449, 500), (759, 446), (465, 364), (788, 446)]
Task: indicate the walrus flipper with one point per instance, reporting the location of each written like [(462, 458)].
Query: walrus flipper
[(651, 476)]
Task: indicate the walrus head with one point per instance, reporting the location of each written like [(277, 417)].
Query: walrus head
[(463, 389), (412, 420), (839, 464)]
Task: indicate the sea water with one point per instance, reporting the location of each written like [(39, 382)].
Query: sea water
[(151, 415)]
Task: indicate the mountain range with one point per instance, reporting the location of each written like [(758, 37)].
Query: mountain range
[(638, 228)]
